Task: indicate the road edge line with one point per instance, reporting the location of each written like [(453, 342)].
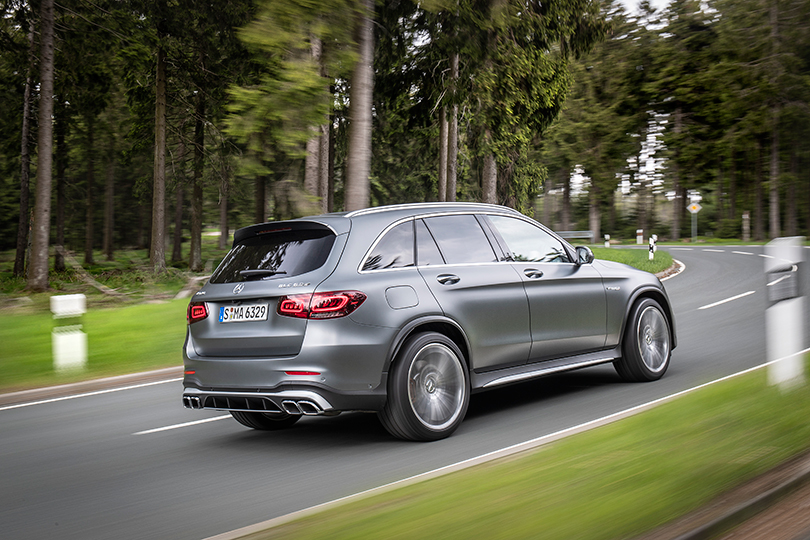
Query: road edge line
[(478, 460)]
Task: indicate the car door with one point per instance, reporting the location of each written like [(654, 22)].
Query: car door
[(485, 296), (567, 301)]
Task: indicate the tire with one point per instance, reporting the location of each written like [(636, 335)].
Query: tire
[(647, 345), (428, 389), (265, 421)]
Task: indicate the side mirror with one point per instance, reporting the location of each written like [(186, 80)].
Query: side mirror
[(584, 255)]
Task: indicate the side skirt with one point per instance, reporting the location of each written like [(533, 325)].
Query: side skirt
[(524, 372)]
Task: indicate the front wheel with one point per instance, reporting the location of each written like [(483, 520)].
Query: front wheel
[(647, 346), (428, 390), (265, 421)]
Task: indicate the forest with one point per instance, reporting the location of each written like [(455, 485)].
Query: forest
[(143, 123)]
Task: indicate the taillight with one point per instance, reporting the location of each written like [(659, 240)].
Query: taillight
[(327, 305), (197, 311)]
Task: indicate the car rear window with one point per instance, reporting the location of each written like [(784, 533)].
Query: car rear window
[(394, 250), (281, 254)]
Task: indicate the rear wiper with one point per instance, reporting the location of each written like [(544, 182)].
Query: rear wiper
[(251, 274)]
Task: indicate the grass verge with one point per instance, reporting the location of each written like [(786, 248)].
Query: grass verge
[(638, 258), (123, 340), (617, 481)]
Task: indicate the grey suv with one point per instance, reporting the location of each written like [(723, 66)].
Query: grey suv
[(405, 310)]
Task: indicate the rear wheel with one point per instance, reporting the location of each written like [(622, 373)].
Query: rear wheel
[(647, 346), (428, 390), (265, 421)]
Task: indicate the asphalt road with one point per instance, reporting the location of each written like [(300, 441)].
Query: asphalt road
[(94, 467)]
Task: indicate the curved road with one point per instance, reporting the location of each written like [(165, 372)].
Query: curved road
[(122, 464)]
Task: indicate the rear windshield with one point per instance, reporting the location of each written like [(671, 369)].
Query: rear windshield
[(279, 254)]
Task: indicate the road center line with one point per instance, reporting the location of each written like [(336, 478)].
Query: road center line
[(185, 424), (727, 300), (742, 252), (715, 250)]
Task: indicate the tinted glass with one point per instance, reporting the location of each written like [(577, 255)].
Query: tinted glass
[(461, 239), (427, 252), (395, 250), (528, 242), (281, 254)]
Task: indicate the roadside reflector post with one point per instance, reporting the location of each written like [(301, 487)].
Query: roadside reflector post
[(653, 245), (68, 341), (607, 240), (639, 236), (784, 317)]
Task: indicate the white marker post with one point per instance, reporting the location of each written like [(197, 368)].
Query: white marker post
[(68, 341), (639, 236), (653, 246), (607, 240), (784, 318)]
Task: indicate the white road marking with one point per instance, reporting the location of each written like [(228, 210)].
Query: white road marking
[(185, 424), (87, 394), (765, 256), (682, 249), (742, 252), (484, 458), (715, 250), (727, 300)]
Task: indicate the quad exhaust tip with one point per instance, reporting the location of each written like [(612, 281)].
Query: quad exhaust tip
[(305, 407), (192, 402)]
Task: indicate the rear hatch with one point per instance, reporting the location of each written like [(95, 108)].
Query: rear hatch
[(237, 311)]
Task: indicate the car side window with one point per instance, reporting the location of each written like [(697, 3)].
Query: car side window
[(527, 242), (461, 239), (394, 250), (427, 252)]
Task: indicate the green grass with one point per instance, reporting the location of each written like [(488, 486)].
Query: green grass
[(638, 258), (613, 482), (124, 340)]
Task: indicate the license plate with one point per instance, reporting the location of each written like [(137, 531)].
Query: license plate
[(253, 312)]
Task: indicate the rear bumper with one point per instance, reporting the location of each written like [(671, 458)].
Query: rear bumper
[(299, 400)]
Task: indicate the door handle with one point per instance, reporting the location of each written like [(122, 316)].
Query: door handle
[(533, 273), (448, 279)]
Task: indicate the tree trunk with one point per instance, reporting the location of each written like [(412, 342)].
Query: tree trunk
[(565, 218), (489, 180), (177, 240), (359, 154), (791, 222), (109, 203), (223, 212), (260, 197), (313, 160), (195, 256), (157, 248), (759, 219), (61, 165), (773, 181), (442, 182), (677, 202), (594, 217), (38, 270), (323, 168), (90, 192), (25, 160), (775, 229), (452, 137)]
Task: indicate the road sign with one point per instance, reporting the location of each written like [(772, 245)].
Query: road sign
[(694, 208)]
